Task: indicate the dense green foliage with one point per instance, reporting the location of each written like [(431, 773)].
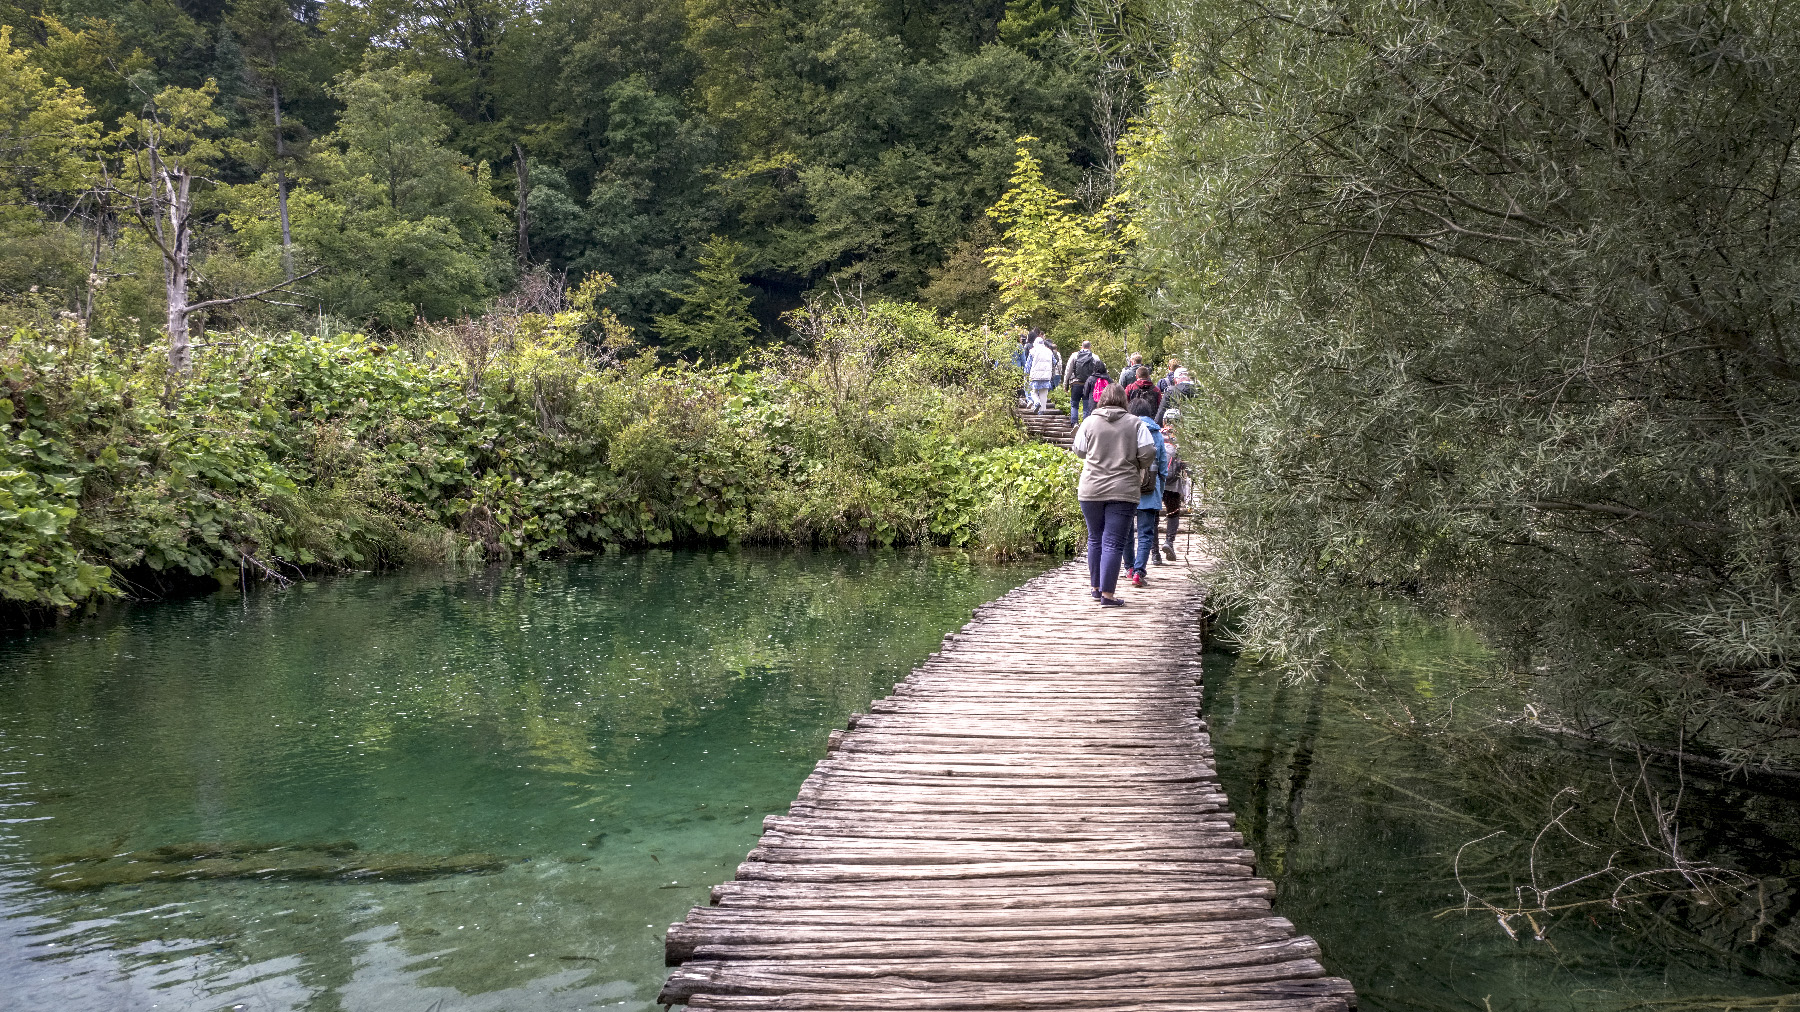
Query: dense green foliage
[(288, 452), (855, 143), (1493, 303)]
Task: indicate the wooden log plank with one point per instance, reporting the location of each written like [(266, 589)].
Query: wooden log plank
[(1022, 890), (1097, 888), (972, 807), (1225, 867), (915, 841), (1222, 966), (1088, 945), (1160, 1000), (1014, 764), (1167, 994), (685, 935), (1021, 829), (830, 941), (876, 850), (1145, 899), (1306, 980)]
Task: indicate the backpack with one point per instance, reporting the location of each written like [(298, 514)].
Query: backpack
[(1099, 387), (1142, 393), (1081, 366)]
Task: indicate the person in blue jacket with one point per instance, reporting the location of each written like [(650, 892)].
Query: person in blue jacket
[(1150, 504)]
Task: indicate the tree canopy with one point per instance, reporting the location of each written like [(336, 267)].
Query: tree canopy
[(1496, 307), (835, 141)]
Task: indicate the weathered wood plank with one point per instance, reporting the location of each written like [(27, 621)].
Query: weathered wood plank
[(1309, 980), (1249, 964), (1231, 865), (685, 937), (1022, 829), (1092, 944), (1021, 889)]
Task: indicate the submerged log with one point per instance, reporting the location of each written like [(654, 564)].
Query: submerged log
[(190, 862)]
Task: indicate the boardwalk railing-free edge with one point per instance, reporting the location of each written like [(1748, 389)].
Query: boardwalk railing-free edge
[(1031, 821)]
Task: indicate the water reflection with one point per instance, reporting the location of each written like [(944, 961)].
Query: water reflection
[(1361, 795), (612, 731)]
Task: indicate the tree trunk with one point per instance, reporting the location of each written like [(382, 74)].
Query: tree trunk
[(177, 184), (524, 172), (281, 201)]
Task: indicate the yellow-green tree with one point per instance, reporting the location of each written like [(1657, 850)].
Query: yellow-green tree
[(47, 135), (1054, 261)]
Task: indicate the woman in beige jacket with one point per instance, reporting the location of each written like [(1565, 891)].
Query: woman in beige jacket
[(1115, 448)]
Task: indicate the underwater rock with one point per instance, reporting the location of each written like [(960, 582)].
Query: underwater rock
[(199, 861)]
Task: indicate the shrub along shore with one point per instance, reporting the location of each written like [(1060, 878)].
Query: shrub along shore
[(284, 455)]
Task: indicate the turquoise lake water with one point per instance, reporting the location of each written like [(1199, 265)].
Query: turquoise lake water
[(609, 733)]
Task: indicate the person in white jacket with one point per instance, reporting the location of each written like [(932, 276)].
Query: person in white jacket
[(1040, 370)]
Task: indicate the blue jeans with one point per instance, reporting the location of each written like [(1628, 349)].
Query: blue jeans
[(1079, 406), (1108, 525), (1146, 537)]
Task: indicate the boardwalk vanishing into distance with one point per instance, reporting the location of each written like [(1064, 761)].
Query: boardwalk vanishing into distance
[(1031, 821)]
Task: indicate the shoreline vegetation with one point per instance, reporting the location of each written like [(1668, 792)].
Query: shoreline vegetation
[(284, 454)]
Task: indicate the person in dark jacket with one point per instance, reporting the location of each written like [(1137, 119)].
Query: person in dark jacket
[(1179, 390), (1082, 365), (1097, 381)]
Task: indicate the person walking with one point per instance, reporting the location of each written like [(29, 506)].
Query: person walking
[(1144, 400), (1168, 376), (1180, 389), (1040, 366), (1141, 388), (1116, 449), (1176, 484), (1097, 383), (1020, 354), (1082, 365), (1149, 504)]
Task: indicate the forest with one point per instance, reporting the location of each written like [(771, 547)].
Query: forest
[(390, 163)]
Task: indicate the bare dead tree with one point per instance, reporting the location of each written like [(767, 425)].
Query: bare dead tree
[(164, 150), (524, 173)]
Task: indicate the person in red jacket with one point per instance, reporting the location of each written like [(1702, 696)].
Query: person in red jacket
[(1143, 386)]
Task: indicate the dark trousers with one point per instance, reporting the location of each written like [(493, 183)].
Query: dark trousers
[(1109, 525)]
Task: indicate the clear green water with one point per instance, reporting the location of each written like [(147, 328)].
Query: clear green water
[(1360, 794), (616, 729)]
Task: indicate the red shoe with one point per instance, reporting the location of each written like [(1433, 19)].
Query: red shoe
[(1137, 578)]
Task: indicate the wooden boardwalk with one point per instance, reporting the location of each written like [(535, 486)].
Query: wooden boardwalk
[(1031, 821)]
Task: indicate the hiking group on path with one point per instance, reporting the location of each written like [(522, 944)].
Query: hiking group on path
[(1132, 476), (1133, 480)]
